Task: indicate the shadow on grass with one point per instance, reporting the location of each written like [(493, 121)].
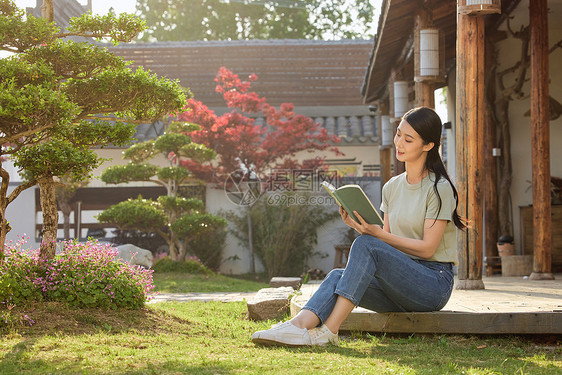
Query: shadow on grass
[(441, 354), (214, 338), (55, 317)]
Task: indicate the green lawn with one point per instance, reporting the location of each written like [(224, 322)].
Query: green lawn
[(173, 282), (214, 338)]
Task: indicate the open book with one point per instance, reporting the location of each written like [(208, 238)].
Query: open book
[(353, 198)]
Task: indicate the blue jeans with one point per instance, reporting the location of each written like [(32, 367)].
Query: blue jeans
[(381, 278)]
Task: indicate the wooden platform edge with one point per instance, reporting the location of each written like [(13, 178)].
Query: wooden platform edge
[(451, 322)]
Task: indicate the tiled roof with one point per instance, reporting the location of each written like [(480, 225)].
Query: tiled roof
[(352, 129)]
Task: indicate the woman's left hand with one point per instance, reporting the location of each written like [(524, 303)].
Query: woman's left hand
[(362, 227)]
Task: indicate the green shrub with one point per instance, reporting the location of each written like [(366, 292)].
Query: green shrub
[(166, 264), (283, 234), (19, 283), (209, 248)]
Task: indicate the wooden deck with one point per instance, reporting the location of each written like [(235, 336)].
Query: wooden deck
[(508, 305)]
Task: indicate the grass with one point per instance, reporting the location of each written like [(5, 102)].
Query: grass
[(173, 282), (214, 338)]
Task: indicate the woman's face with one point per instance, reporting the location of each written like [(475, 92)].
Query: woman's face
[(409, 144)]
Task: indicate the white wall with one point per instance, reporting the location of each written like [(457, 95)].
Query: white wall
[(20, 215), (331, 234), (520, 124)]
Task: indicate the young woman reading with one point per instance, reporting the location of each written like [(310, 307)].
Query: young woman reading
[(406, 265)]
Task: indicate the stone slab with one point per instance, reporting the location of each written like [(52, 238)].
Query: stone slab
[(270, 303), (293, 282)]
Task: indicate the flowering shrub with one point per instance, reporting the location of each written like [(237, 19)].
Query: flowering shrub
[(18, 279), (190, 265), (82, 275)]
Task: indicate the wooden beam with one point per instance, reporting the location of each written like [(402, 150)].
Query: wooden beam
[(470, 138), (540, 140), (451, 322)]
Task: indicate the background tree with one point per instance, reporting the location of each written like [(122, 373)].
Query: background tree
[(177, 220), (65, 153), (241, 143), (179, 20), (64, 192), (55, 95), (247, 150)]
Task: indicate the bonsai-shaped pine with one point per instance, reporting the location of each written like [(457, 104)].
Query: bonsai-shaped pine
[(57, 95), (177, 220)]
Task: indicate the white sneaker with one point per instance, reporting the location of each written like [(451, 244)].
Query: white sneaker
[(322, 336), (283, 334)]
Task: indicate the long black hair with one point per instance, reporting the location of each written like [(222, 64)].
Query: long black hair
[(428, 125)]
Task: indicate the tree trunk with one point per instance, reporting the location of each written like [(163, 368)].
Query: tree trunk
[(47, 10), (173, 248), (50, 218), (66, 209), (182, 250), (4, 225)]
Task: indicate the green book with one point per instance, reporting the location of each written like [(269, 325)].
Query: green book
[(353, 198)]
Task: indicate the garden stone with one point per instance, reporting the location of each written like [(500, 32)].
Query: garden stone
[(135, 255), (277, 282), (270, 303)]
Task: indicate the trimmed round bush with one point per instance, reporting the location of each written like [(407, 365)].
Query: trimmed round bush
[(166, 264)]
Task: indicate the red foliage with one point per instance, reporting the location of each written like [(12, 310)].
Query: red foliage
[(241, 143)]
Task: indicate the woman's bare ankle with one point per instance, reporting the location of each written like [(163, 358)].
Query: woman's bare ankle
[(305, 319), (297, 322)]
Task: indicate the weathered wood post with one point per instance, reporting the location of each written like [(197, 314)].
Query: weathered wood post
[(540, 122), (385, 151), (395, 118), (424, 86), (469, 141)]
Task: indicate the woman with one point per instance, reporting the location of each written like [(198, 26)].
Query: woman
[(407, 265)]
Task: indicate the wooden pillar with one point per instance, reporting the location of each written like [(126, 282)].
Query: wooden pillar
[(385, 151), (540, 140), (490, 173), (399, 166), (425, 90), (469, 141)]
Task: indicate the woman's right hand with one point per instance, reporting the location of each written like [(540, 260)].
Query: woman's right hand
[(363, 227)]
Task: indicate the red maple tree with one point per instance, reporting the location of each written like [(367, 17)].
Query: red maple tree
[(241, 143)]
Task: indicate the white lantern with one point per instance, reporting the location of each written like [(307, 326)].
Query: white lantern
[(386, 130), (429, 52), (478, 2), (400, 98), (479, 6)]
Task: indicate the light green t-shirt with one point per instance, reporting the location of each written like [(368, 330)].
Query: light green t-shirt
[(407, 207)]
